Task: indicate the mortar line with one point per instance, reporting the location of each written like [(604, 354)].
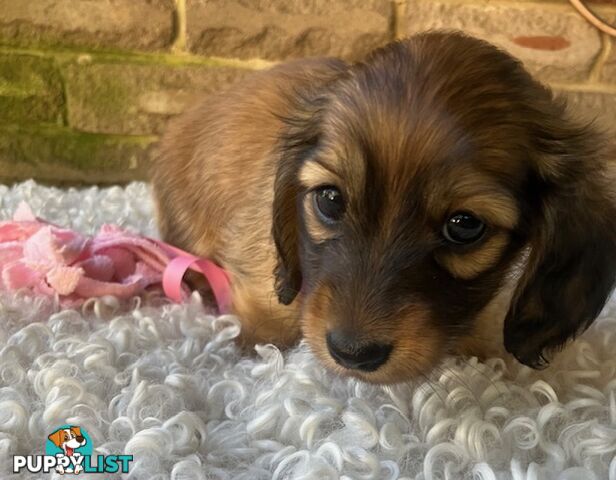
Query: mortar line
[(65, 111), (602, 58), (584, 87), (54, 130), (141, 58), (397, 11), (179, 44)]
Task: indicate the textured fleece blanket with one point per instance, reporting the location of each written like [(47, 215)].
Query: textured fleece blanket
[(166, 384)]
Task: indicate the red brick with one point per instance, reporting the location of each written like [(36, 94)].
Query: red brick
[(543, 42), (552, 39)]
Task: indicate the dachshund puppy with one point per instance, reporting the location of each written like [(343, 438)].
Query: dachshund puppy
[(431, 199)]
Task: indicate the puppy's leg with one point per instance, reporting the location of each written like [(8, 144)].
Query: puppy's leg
[(263, 319)]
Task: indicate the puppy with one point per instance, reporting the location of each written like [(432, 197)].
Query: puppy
[(429, 200), (68, 439)]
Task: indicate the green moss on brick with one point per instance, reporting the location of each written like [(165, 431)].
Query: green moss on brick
[(94, 95), (59, 154), (68, 54), (136, 99), (30, 89)]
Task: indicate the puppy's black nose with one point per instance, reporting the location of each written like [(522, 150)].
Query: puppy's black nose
[(366, 357), (79, 438)]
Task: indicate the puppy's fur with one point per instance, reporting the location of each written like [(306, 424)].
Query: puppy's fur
[(422, 128)]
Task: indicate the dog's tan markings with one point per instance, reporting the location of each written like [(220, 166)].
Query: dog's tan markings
[(418, 345), (316, 229), (478, 194), (497, 209), (315, 173), (485, 340), (468, 265), (314, 323), (475, 192)]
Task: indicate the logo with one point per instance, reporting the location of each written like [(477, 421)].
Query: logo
[(69, 450)]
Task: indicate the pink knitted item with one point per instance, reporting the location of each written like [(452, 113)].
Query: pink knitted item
[(50, 260)]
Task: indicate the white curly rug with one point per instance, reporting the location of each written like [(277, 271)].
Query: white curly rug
[(165, 383)]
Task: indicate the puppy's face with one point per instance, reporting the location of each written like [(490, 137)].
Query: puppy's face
[(406, 236), (407, 194), (70, 437)]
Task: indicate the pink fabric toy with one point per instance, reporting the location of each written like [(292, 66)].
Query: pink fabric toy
[(50, 260)]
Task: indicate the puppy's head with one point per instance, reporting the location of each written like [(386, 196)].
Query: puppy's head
[(408, 189), (67, 436)]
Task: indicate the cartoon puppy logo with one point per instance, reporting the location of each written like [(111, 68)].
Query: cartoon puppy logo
[(69, 449), (68, 439)]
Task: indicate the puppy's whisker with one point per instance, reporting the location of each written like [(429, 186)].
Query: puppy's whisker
[(487, 377), (428, 382)]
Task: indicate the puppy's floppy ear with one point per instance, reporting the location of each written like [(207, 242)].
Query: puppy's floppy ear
[(57, 437), (299, 137), (571, 268), (298, 140)]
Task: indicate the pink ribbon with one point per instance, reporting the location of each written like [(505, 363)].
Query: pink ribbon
[(175, 270), (48, 259)]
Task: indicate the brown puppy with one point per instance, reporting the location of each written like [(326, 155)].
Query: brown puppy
[(432, 199)]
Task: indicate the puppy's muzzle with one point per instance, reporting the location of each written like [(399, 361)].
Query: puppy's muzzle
[(357, 356)]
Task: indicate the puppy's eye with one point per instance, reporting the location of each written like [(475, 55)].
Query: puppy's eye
[(463, 228), (329, 204)]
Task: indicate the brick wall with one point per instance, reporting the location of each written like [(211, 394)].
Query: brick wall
[(86, 86)]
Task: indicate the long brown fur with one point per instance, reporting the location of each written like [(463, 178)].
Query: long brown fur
[(422, 128)]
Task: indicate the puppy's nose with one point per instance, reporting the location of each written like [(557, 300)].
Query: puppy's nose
[(366, 357), (79, 438)]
